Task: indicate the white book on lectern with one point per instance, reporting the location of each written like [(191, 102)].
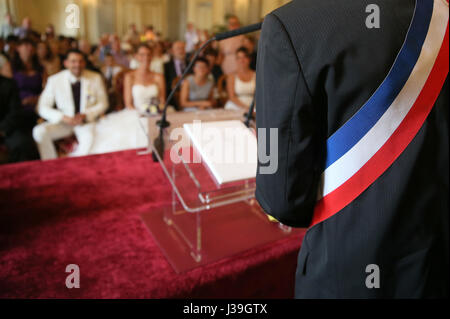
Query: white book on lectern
[(228, 148)]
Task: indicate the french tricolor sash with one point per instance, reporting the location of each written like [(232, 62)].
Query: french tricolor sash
[(369, 143)]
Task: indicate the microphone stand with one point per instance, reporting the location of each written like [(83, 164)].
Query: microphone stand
[(163, 123), (249, 116)]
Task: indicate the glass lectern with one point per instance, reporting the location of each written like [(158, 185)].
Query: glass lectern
[(205, 221)]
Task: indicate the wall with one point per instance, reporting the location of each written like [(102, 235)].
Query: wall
[(142, 13), (248, 11), (177, 18), (270, 5), (44, 11), (90, 28), (168, 16)]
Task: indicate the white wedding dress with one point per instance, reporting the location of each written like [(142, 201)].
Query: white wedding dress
[(121, 130), (143, 96), (245, 92)]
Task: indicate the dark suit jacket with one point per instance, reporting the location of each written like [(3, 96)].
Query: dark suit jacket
[(10, 106), (317, 65), (19, 142), (170, 74)]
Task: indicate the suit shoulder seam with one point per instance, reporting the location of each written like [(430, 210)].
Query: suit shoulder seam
[(293, 49)]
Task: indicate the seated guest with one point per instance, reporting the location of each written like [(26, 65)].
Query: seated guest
[(212, 56), (49, 33), (103, 47), (158, 60), (91, 61), (120, 56), (50, 62), (250, 45), (144, 88), (10, 49), (132, 36), (29, 76), (158, 37), (241, 85), (5, 66), (2, 44), (110, 69), (73, 43), (176, 66), (80, 99), (203, 36), (85, 47), (54, 48), (191, 37), (64, 46), (149, 34), (26, 31), (197, 90), (7, 27), (19, 143), (228, 47)]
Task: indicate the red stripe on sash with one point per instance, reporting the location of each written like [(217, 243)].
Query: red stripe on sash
[(394, 147)]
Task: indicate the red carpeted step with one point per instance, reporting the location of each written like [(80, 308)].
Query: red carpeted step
[(86, 211)]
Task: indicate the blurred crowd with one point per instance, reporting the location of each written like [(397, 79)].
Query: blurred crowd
[(53, 86)]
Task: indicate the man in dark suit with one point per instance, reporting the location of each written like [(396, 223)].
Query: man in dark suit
[(19, 144), (175, 67), (373, 194)]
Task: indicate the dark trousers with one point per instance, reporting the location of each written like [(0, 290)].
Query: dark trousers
[(21, 147)]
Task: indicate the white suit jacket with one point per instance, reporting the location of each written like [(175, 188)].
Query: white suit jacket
[(58, 91)]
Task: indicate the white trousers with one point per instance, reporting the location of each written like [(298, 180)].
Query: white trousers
[(46, 133)]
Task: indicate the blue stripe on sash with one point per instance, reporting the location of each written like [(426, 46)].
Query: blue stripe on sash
[(360, 124)]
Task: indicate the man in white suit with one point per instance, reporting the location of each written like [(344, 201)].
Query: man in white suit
[(80, 99)]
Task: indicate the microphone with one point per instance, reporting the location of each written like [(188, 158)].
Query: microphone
[(234, 33), (163, 123)]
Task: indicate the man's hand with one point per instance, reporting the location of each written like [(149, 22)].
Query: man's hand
[(75, 121), (69, 120), (80, 119)]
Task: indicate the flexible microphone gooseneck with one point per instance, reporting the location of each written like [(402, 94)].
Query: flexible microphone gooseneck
[(249, 116), (234, 33), (163, 123)]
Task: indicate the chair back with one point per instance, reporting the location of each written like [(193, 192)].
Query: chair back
[(222, 90)]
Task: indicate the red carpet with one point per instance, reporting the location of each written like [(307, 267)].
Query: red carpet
[(87, 211)]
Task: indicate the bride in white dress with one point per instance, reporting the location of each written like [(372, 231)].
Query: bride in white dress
[(242, 84), (144, 90)]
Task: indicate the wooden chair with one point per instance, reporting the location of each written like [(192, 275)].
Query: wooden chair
[(222, 90), (116, 95), (177, 95), (66, 145)]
